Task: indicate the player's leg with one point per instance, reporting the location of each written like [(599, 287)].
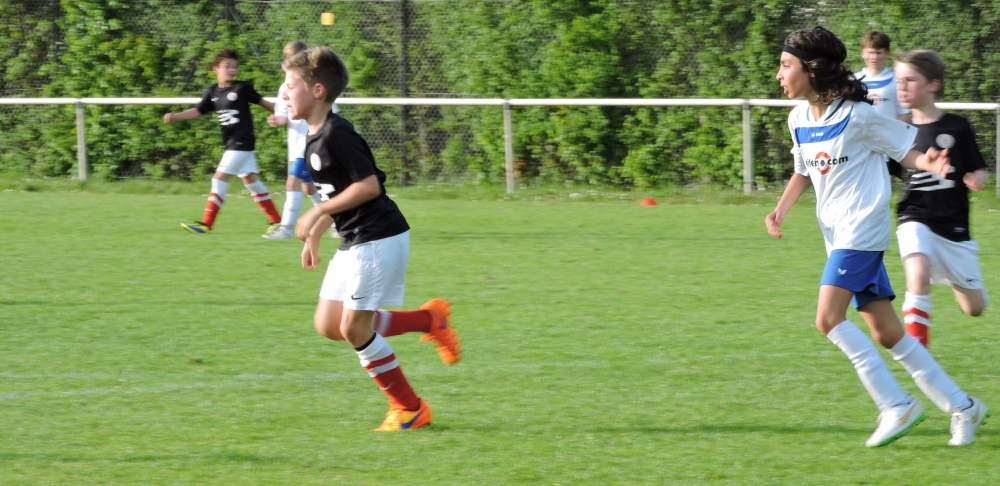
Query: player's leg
[(297, 171), (360, 280), (967, 412), (972, 301), (216, 198), (917, 249), (845, 273), (247, 169)]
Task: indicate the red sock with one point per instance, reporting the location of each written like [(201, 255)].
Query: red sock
[(393, 383), (919, 331), (212, 208), (394, 323), (267, 205)]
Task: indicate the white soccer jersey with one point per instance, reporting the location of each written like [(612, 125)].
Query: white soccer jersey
[(297, 129), (882, 92), (844, 155)]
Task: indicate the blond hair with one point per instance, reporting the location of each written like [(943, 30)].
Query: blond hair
[(319, 65), (925, 62), (293, 48)]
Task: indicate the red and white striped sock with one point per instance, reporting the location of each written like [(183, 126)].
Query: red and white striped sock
[(215, 201), (380, 362), (393, 323), (917, 316), (263, 199)]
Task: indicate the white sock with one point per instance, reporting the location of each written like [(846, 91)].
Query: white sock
[(381, 321), (929, 375), (258, 190), (293, 203), (378, 349), (316, 199), (917, 308), (219, 188), (874, 374)]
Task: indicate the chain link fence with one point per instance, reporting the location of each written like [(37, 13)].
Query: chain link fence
[(394, 48)]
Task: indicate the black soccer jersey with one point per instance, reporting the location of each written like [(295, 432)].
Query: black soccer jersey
[(338, 157), (232, 105), (941, 204)]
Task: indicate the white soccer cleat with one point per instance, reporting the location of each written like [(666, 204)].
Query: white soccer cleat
[(277, 232), (964, 424), (896, 422)]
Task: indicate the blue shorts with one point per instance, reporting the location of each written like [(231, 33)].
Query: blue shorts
[(300, 170), (861, 272)]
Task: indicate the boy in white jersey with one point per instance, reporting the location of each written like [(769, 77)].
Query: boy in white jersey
[(879, 79), (933, 212), (839, 146), (299, 180)]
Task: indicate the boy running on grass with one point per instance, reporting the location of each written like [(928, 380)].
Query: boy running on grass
[(369, 269), (839, 146), (230, 100), (933, 211)]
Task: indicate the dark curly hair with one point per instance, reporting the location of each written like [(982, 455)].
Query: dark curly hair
[(828, 76)]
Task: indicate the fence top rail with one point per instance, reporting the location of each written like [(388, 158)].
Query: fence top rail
[(478, 102)]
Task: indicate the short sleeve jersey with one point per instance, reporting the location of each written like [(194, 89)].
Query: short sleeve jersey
[(232, 105), (297, 129), (844, 155), (338, 157), (882, 92), (941, 204)]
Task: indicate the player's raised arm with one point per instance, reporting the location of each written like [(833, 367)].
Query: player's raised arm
[(188, 114), (934, 161)]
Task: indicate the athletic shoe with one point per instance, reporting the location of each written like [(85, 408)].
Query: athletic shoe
[(964, 424), (196, 227), (442, 331), (398, 418), (896, 422), (277, 232)]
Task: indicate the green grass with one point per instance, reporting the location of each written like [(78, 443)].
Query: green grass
[(606, 343)]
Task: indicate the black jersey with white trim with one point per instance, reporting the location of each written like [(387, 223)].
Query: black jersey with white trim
[(337, 157), (941, 204), (232, 105)]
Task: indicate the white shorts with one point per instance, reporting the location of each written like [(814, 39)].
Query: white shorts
[(954, 263), (370, 275), (238, 162)]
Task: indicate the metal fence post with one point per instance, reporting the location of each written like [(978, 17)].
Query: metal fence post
[(81, 142), (747, 150), (508, 145)]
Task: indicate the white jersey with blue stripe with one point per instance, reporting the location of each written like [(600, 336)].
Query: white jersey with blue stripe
[(844, 154), (297, 129), (882, 92)]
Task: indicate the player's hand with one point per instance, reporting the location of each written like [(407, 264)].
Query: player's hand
[(975, 180), (936, 162), (272, 122), (773, 222), (310, 254), (305, 224), (167, 118)]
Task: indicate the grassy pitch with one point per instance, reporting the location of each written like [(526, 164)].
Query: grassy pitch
[(605, 343)]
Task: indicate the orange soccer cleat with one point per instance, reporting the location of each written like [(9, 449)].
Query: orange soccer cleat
[(398, 418), (442, 331)]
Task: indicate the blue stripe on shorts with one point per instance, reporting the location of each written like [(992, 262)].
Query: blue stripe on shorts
[(300, 170), (861, 272)]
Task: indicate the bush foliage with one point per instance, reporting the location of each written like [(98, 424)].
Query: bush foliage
[(510, 49)]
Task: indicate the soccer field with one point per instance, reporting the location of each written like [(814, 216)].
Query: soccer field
[(605, 343)]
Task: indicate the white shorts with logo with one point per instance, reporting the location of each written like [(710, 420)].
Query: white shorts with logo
[(238, 162), (370, 275), (952, 262)]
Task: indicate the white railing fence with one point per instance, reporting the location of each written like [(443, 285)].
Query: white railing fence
[(506, 105)]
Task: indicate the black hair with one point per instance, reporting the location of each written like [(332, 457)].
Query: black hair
[(828, 75)]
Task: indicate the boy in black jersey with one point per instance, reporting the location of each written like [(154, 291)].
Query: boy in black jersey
[(230, 100), (933, 213), (369, 268)]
